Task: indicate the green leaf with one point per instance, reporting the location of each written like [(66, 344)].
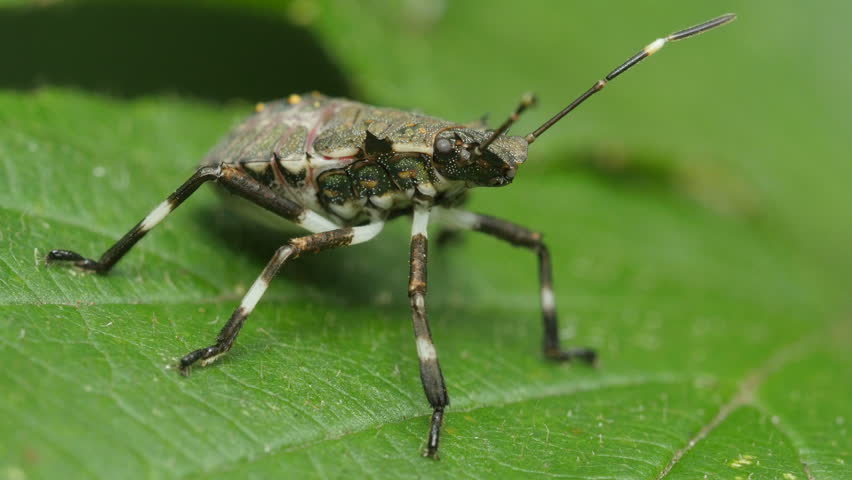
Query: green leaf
[(723, 332)]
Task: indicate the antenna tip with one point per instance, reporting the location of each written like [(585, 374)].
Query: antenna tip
[(529, 99), (697, 29)]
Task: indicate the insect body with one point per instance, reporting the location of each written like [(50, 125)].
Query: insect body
[(341, 169), (354, 162)]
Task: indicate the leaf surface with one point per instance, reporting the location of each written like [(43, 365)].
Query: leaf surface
[(724, 334)]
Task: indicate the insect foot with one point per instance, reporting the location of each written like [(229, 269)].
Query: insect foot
[(434, 434), (586, 355), (207, 356), (80, 261)]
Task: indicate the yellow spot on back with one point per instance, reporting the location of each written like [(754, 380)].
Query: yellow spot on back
[(407, 174), (369, 183), (294, 99), (259, 107), (329, 193)]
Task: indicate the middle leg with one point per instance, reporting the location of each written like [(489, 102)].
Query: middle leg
[(308, 244)]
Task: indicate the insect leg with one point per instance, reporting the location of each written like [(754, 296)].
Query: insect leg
[(240, 183), (233, 179), (308, 244), (430, 369), (121, 247), (521, 237)]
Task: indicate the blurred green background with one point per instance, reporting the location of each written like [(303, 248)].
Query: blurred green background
[(698, 211)]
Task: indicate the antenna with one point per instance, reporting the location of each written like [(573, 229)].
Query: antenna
[(652, 48), (528, 100)]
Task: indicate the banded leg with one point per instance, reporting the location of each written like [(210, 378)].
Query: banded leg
[(430, 369), (521, 237), (121, 247), (233, 179), (309, 244)]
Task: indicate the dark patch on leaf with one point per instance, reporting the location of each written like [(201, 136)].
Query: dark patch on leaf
[(216, 54)]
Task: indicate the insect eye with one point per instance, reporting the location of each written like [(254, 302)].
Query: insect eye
[(443, 145)]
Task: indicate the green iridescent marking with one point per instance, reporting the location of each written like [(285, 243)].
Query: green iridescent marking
[(369, 179), (407, 170), (335, 187)]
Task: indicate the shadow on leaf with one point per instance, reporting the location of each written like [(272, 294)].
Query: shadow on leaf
[(215, 54), (703, 181), (368, 274)]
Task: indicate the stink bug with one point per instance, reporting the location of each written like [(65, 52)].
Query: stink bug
[(340, 169)]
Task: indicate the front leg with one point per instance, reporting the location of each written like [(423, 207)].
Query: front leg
[(430, 369), (521, 237)]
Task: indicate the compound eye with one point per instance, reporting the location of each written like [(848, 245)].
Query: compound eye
[(443, 145)]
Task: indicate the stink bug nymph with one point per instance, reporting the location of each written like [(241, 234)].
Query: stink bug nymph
[(340, 169)]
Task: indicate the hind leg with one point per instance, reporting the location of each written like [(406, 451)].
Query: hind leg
[(121, 247), (229, 176)]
